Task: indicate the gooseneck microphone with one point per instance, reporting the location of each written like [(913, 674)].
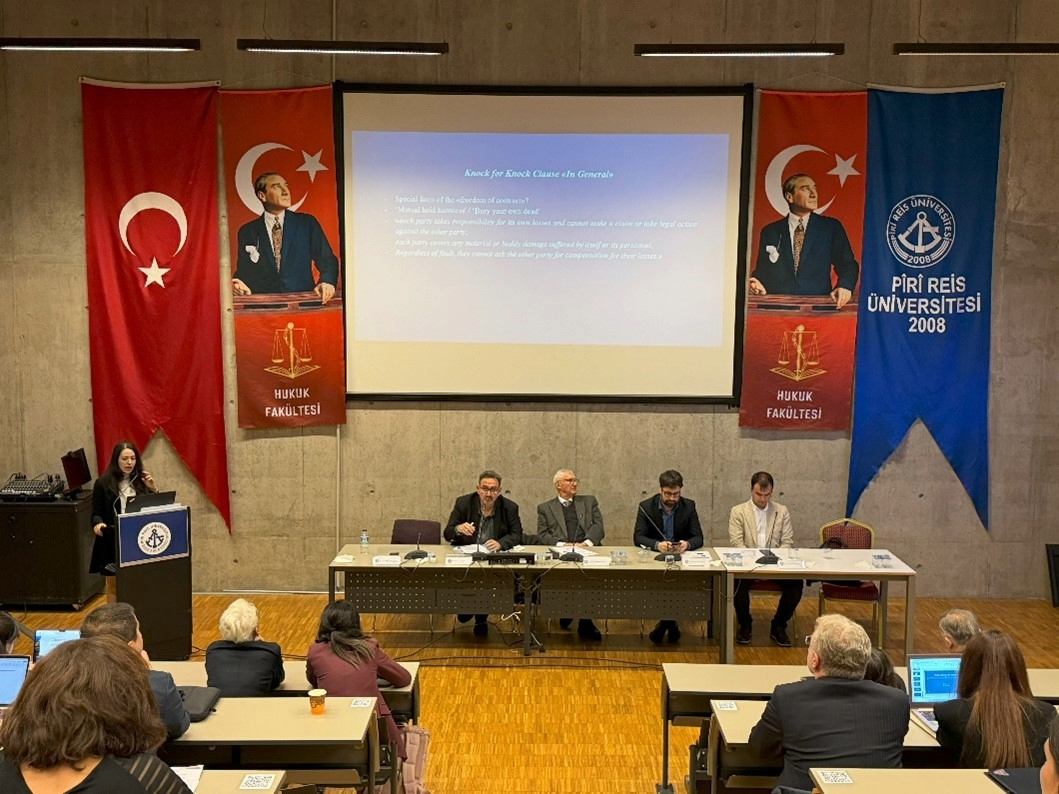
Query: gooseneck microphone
[(663, 556), (768, 556), (571, 555), (417, 553)]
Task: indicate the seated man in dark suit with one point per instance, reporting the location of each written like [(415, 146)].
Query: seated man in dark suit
[(119, 620), (835, 718), (667, 523), (574, 519)]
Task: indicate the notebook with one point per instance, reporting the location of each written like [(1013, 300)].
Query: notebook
[(932, 679), (46, 640), (13, 671)]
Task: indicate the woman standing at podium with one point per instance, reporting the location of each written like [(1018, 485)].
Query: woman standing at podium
[(123, 478)]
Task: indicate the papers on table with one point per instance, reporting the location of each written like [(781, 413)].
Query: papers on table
[(190, 775), (257, 782), (473, 548), (562, 548)]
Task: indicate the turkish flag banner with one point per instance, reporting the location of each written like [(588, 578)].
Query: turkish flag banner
[(805, 261), (152, 253), (282, 193)]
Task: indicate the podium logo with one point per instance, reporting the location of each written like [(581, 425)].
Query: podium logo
[(154, 538)]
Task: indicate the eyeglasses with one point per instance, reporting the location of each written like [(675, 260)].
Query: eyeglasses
[(569, 479), (485, 489)]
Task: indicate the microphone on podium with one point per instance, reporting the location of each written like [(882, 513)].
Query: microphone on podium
[(663, 556)]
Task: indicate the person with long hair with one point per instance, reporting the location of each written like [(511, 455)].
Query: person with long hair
[(348, 663), (881, 670), (996, 722), (85, 720), (1050, 768), (124, 477)]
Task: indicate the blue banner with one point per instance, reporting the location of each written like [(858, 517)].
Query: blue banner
[(924, 330), (153, 535)]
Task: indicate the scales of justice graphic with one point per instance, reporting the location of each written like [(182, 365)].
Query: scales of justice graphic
[(291, 354), (802, 347)]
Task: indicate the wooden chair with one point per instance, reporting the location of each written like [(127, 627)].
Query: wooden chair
[(853, 534)]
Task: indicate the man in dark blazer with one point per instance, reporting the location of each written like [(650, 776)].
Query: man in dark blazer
[(486, 518), (820, 242), (835, 718), (570, 518), (301, 242), (668, 523)]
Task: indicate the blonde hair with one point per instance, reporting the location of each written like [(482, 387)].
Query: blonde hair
[(239, 621), (842, 645)]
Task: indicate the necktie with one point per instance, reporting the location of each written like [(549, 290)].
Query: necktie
[(799, 241), (277, 244)]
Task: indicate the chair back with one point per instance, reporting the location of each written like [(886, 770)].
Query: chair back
[(416, 530), (853, 534)]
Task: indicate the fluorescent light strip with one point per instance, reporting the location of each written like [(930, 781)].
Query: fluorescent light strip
[(311, 47), (66, 44), (977, 48), (738, 50)]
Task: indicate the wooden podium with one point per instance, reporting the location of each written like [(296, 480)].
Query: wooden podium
[(154, 575)]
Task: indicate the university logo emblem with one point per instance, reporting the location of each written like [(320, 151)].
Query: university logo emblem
[(154, 538), (920, 231)]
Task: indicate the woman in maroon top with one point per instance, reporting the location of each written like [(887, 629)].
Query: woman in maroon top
[(348, 663)]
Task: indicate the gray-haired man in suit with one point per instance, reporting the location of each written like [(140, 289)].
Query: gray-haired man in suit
[(569, 518), (760, 523)]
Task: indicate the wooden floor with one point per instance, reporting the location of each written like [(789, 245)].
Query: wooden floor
[(580, 717)]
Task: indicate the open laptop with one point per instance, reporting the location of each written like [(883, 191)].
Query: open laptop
[(13, 671), (143, 501), (46, 640), (932, 679)]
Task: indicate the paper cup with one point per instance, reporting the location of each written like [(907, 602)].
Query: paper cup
[(317, 700)]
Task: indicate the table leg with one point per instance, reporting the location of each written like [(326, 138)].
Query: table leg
[(910, 616), (664, 787), (727, 644), (331, 585)]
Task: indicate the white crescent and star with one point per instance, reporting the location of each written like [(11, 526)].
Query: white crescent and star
[(244, 173), (152, 201), (774, 175)]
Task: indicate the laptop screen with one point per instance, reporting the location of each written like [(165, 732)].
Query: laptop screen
[(933, 679), (46, 640), (12, 673)]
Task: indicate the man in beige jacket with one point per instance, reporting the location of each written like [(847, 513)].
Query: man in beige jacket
[(760, 523)]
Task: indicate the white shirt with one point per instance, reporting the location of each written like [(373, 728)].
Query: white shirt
[(762, 525)]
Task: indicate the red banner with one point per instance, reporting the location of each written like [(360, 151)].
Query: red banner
[(802, 293), (279, 169), (152, 250)]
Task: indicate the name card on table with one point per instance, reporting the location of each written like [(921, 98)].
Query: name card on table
[(458, 560), (386, 560)]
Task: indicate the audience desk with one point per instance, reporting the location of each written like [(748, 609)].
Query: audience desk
[(403, 701), (821, 564), (731, 757), (268, 732), (907, 781)]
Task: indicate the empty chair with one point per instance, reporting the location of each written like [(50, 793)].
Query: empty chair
[(853, 535), (416, 530)]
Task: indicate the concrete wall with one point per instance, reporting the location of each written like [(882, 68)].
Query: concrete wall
[(413, 459)]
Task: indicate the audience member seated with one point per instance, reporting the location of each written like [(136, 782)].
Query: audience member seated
[(241, 664), (8, 633), (119, 620), (957, 627), (835, 718), (996, 722), (85, 721), (348, 663), (1050, 769), (881, 670)]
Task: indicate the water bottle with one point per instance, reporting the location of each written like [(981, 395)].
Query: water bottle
[(364, 540)]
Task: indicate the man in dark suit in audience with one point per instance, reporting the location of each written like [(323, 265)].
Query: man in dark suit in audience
[(668, 523), (835, 718), (574, 519), (119, 620)]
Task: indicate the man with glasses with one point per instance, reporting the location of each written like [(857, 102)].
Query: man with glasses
[(667, 523), (835, 718), (575, 520), (486, 518)]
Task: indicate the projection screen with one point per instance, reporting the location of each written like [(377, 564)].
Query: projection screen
[(543, 244)]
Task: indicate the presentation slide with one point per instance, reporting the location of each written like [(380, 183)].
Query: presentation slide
[(486, 258)]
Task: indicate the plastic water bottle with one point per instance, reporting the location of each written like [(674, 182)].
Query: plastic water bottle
[(364, 540)]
